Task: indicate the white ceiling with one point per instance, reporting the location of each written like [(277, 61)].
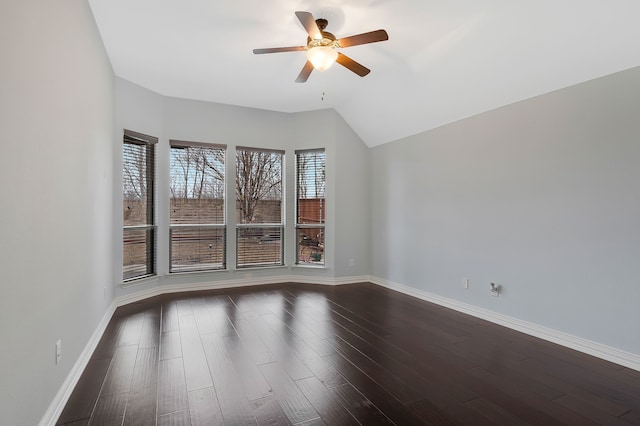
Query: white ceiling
[(444, 61)]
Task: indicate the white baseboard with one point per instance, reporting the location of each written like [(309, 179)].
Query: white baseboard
[(236, 283), (589, 347), (57, 405)]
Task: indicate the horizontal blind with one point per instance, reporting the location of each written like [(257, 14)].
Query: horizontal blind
[(197, 207)]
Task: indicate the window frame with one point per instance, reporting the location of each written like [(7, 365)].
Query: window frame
[(150, 227), (261, 227), (317, 246), (179, 144)]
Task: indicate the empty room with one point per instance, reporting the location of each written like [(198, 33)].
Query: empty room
[(306, 213)]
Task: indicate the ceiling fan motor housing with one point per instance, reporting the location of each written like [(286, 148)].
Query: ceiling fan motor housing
[(327, 40)]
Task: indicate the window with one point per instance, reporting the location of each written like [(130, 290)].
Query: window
[(197, 230), (139, 230), (259, 233), (310, 207)]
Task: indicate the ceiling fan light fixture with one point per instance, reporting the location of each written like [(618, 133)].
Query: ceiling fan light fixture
[(322, 57)]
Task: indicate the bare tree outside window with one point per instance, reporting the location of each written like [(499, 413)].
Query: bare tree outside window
[(197, 173), (135, 173), (258, 178)]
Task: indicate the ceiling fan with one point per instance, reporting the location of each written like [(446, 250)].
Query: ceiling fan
[(321, 47)]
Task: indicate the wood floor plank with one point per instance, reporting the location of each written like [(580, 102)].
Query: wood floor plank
[(631, 373), (259, 351), (516, 390), (593, 381), (251, 379), (150, 334), (172, 388), (632, 417), (170, 345), (445, 356), (309, 343), (359, 406), (312, 310), (196, 370), (584, 408), (178, 418), (433, 414), (395, 410), (118, 379), (326, 403), (385, 379), (169, 316), (132, 330), (84, 396), (142, 403), (486, 352), (233, 401), (411, 371), (293, 402), (203, 319), (268, 412), (109, 341), (204, 408), (109, 410), (494, 413), (503, 398), (183, 304), (278, 344), (314, 422), (310, 358), (222, 312), (83, 422), (572, 384), (256, 302)]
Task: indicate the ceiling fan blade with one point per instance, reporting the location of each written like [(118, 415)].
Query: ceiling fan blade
[(305, 73), (279, 49), (309, 24), (364, 38), (354, 66)]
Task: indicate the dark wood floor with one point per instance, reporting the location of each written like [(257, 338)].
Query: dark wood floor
[(356, 354)]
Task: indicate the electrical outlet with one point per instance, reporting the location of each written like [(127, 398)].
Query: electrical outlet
[(495, 289), (58, 351), (351, 262), (465, 283)]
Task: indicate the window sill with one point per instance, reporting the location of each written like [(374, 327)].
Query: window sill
[(203, 272), (259, 268), (139, 281), (302, 266)]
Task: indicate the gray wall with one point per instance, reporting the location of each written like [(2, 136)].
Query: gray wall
[(352, 201), (56, 122), (168, 118), (541, 197)]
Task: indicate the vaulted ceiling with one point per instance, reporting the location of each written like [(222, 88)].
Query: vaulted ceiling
[(444, 60)]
